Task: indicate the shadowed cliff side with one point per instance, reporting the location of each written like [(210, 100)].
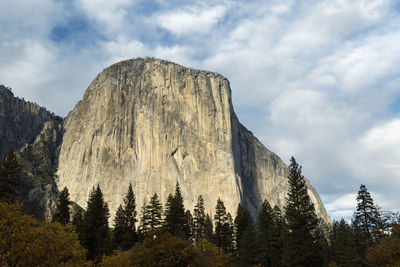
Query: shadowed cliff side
[(35, 134)]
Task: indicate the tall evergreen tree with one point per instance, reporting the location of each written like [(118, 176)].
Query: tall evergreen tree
[(360, 244), (118, 232), (152, 214), (208, 225), (199, 220), (188, 225), (168, 220), (62, 214), (144, 227), (223, 228), (229, 235), (366, 215), (125, 234), (302, 223), (219, 220), (243, 221), (95, 231), (342, 244), (77, 220), (175, 214), (245, 236), (9, 178), (269, 249)]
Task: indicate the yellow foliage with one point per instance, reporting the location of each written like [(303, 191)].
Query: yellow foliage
[(24, 241), (118, 259), (386, 253), (208, 255), (164, 249)]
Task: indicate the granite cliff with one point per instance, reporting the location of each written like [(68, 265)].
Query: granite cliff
[(152, 123), (35, 134)]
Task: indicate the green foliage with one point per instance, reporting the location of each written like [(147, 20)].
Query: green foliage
[(342, 243), (25, 241), (175, 215), (302, 224), (95, 235), (223, 228), (151, 215), (188, 225), (77, 219), (164, 249), (387, 250), (366, 214), (199, 220), (243, 222), (269, 242), (124, 234), (245, 237), (9, 178), (209, 233), (62, 214)]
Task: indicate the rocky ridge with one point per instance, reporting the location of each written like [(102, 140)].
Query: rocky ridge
[(35, 134)]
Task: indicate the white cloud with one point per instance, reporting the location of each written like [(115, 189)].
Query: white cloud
[(29, 71), (111, 15), (343, 206), (378, 159), (122, 49), (195, 19)]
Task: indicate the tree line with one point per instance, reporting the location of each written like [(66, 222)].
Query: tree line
[(174, 236)]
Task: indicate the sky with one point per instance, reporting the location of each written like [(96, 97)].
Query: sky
[(319, 80)]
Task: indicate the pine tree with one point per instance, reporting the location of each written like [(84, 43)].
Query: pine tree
[(302, 223), (153, 213), (125, 234), (144, 227), (9, 178), (366, 214), (119, 228), (245, 236), (228, 234), (269, 240), (62, 214), (208, 225), (360, 244), (95, 230), (175, 214), (77, 220), (223, 228), (168, 218), (219, 220), (188, 225), (342, 244), (243, 221), (199, 220)]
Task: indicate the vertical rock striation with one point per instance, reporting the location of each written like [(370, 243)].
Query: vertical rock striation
[(152, 123), (35, 134), (20, 121)]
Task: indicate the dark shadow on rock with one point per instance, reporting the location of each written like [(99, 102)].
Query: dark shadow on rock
[(244, 156)]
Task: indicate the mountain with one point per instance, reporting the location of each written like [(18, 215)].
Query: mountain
[(35, 134), (153, 123)]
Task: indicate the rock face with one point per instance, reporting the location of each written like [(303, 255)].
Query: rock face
[(39, 162), (20, 121), (153, 123), (35, 134)]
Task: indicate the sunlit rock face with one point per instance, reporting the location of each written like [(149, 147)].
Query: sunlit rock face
[(153, 123)]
